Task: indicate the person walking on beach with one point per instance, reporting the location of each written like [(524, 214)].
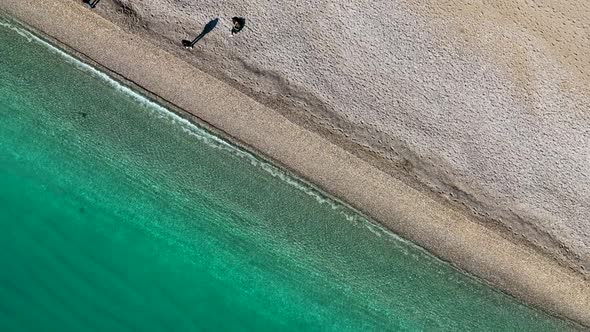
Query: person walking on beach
[(238, 24), (208, 28), (92, 3)]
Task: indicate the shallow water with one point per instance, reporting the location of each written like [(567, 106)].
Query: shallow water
[(118, 215)]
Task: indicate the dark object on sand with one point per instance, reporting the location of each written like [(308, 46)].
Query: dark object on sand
[(208, 28), (239, 23), (91, 3)]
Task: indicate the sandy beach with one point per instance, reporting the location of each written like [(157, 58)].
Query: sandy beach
[(484, 104), (540, 261)]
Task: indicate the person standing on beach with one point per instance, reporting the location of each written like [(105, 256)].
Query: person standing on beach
[(238, 24)]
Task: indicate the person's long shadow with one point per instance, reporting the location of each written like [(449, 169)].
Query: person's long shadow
[(208, 28)]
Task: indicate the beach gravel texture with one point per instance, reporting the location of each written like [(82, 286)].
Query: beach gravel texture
[(483, 102)]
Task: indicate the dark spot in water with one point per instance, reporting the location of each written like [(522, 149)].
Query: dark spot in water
[(82, 210), (82, 114)]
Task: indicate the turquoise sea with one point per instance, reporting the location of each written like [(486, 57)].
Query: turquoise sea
[(117, 215)]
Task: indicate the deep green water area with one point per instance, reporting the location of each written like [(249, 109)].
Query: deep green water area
[(117, 215)]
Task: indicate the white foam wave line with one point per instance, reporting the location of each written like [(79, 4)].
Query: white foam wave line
[(208, 138)]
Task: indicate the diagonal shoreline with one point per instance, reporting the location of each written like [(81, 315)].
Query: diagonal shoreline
[(450, 235)]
